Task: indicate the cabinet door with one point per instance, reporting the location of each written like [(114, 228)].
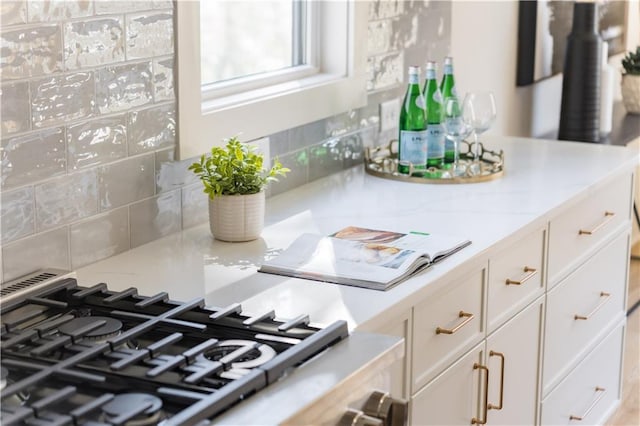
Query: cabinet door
[(512, 356), (400, 379), (452, 397)]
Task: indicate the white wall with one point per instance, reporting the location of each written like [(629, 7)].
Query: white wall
[(484, 47)]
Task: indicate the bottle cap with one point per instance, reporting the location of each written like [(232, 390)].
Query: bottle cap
[(431, 65), (414, 70), (448, 60)]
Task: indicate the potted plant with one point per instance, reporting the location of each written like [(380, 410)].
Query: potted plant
[(235, 180), (631, 81)]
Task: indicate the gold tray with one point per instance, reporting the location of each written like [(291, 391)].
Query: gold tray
[(383, 162)]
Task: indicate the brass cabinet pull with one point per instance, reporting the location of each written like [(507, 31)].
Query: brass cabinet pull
[(468, 317), (485, 408), (530, 272), (605, 299), (501, 355), (607, 217), (600, 393)]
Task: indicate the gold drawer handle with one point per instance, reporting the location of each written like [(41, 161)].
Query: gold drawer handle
[(485, 406), (600, 393), (468, 317), (530, 272), (605, 299), (607, 217), (501, 355)]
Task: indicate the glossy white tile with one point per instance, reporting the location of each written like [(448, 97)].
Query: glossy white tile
[(155, 217), (102, 236), (66, 199), (17, 215)]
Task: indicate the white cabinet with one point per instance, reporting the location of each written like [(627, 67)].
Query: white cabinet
[(452, 398), (446, 325), (532, 331), (591, 392), (581, 308), (495, 382), (512, 357)]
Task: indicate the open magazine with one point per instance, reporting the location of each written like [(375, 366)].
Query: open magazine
[(362, 257)]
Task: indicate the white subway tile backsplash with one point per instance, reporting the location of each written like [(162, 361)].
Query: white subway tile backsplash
[(16, 111), (30, 51), (96, 142), (45, 250), (13, 12), (163, 79), (60, 98), (100, 237), (149, 34), (122, 87), (155, 217), (55, 10), (66, 199), (379, 36), (119, 6), (382, 9), (93, 42), (16, 214), (195, 205), (125, 181), (172, 174), (86, 108), (32, 157), (152, 128), (385, 71)]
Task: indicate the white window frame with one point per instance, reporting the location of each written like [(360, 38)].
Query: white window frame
[(339, 84)]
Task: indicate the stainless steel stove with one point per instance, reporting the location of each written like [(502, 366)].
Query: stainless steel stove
[(75, 355)]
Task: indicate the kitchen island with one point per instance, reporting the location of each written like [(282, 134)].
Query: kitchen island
[(521, 222)]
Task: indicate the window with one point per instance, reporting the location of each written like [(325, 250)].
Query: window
[(256, 67)]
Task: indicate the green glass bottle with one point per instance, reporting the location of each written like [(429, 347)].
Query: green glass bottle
[(412, 147), (448, 89), (435, 131)]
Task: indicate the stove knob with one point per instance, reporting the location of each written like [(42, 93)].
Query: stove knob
[(358, 418), (393, 412)]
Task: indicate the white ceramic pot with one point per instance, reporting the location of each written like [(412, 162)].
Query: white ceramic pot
[(631, 93), (237, 217)]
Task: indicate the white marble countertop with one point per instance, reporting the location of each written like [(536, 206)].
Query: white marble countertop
[(540, 176)]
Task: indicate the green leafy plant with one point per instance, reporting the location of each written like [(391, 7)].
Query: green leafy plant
[(235, 169), (631, 62)]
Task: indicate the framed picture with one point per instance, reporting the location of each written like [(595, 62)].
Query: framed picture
[(543, 27)]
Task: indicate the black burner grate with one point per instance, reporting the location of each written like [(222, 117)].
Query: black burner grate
[(69, 352)]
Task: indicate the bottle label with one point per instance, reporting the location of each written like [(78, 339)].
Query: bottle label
[(414, 78), (413, 147), (435, 141), (420, 103), (437, 97), (454, 92)]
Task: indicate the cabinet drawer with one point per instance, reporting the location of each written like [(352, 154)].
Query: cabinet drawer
[(592, 390), (578, 230), (582, 306), (446, 325), (515, 278)]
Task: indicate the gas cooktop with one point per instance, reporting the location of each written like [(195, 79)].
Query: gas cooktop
[(76, 355)]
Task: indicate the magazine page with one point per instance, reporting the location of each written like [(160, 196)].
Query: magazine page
[(431, 246), (340, 260)]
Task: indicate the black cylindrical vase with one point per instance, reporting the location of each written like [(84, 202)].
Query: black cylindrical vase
[(580, 107)]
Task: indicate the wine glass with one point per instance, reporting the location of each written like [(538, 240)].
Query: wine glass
[(455, 128), (479, 111)]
